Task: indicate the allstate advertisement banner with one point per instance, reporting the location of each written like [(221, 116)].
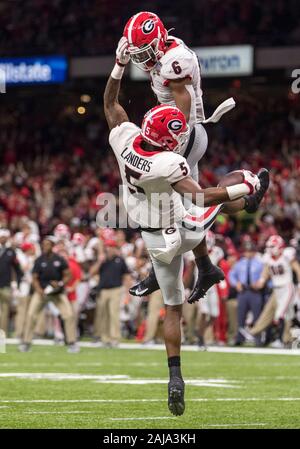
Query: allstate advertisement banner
[(233, 60), (34, 70)]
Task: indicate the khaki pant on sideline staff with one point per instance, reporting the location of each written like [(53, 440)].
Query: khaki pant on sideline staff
[(191, 317), (155, 303), (107, 318), (231, 309), (75, 310), (61, 302), (5, 300), (20, 319), (266, 318)]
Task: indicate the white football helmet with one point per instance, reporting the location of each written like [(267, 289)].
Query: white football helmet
[(275, 245), (62, 232)]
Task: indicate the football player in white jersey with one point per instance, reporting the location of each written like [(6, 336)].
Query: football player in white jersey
[(175, 80), (209, 305), (150, 164), (280, 262)]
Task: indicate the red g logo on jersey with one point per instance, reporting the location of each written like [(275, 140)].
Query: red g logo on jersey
[(148, 26), (175, 125)]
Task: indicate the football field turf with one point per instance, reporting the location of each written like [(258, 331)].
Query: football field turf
[(127, 388)]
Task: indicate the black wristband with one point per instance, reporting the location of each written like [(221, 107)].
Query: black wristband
[(119, 63)]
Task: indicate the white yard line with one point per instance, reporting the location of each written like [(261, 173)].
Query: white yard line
[(142, 419), (74, 412), (147, 364), (236, 425), (65, 376), (118, 401), (134, 346), (118, 379)]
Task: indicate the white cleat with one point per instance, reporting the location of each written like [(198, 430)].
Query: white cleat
[(277, 344), (246, 334), (73, 348)]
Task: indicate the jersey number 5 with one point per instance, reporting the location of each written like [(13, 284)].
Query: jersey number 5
[(133, 174), (183, 168)]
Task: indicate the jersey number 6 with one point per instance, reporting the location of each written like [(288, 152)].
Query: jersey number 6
[(176, 67)]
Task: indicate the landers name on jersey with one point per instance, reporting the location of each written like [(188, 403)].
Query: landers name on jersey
[(177, 63), (147, 177)]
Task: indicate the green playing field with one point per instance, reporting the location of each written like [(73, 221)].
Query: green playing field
[(127, 388)]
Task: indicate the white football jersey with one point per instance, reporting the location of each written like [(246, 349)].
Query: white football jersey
[(177, 63), (280, 269), (147, 177), (78, 252), (216, 255)]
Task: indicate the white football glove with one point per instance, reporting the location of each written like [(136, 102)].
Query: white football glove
[(251, 180), (122, 53)]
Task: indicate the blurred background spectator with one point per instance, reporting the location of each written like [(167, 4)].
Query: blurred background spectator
[(68, 27), (55, 158)]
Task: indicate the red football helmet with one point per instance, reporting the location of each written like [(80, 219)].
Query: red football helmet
[(62, 232), (275, 245), (146, 37), (165, 127)]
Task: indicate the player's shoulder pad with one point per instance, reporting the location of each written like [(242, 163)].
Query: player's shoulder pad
[(123, 132), (290, 253), (177, 168), (177, 63), (167, 162), (168, 158), (265, 258)]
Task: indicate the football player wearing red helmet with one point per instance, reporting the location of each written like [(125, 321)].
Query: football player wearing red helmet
[(150, 164), (280, 263), (147, 38), (176, 80)]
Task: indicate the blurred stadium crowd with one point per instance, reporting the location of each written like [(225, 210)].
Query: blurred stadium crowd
[(54, 163), (68, 27), (52, 173)]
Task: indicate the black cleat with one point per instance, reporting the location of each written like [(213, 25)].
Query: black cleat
[(176, 396), (145, 287), (253, 201), (205, 281)]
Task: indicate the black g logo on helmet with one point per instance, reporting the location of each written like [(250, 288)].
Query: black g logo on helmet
[(148, 26), (175, 125)]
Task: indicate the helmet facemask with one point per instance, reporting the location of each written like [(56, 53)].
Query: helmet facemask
[(274, 251), (142, 55), (181, 138)]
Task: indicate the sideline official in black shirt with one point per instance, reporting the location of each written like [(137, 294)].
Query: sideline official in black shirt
[(113, 274), (9, 270), (50, 275)]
